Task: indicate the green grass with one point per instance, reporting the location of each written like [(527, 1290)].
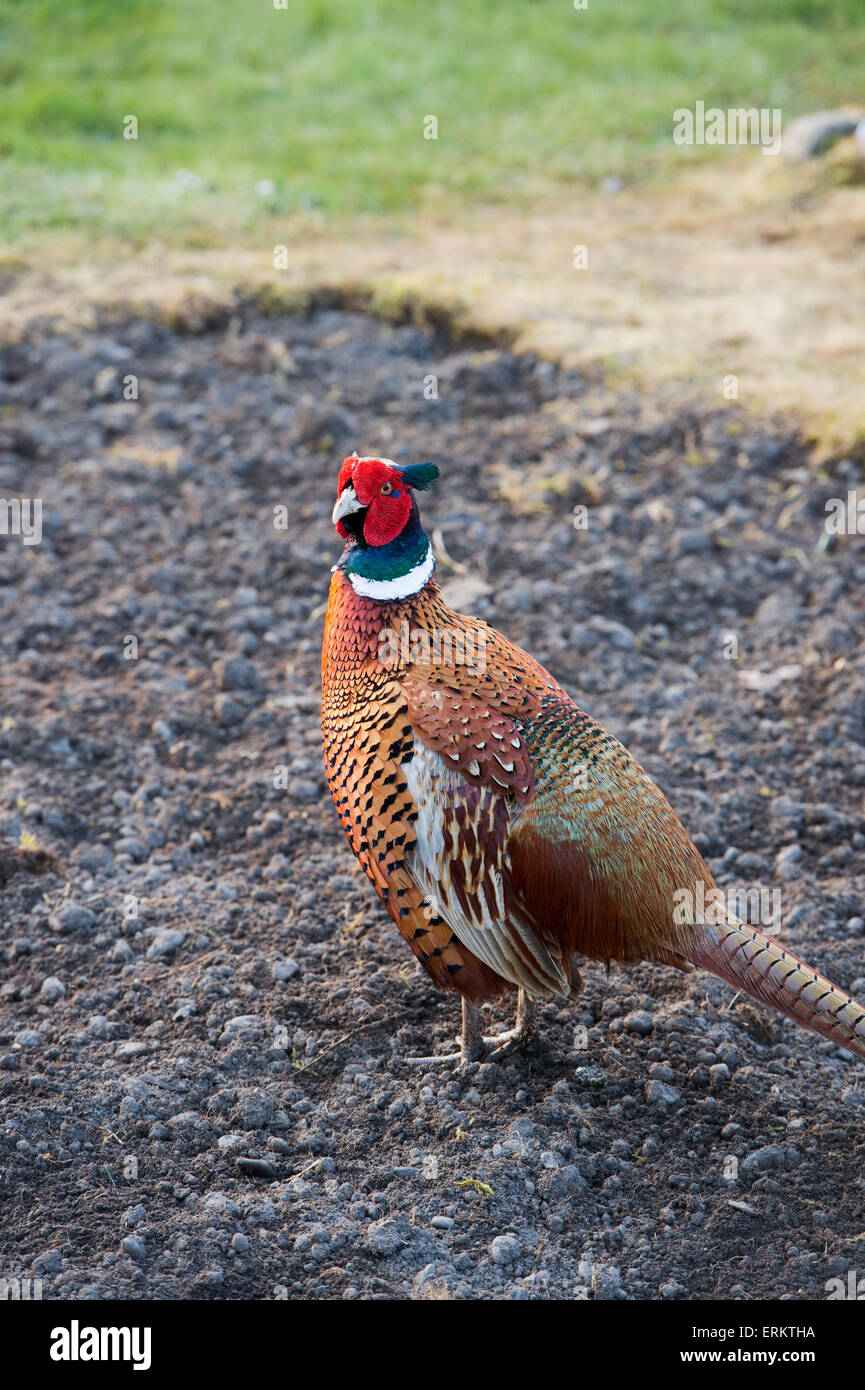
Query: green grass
[(327, 100)]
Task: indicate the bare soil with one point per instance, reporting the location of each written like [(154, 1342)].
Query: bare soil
[(205, 1015)]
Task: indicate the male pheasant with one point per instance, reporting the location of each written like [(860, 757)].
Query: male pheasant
[(504, 829)]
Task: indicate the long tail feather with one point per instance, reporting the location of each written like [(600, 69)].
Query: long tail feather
[(773, 974)]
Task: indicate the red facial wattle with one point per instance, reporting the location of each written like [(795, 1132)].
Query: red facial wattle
[(380, 489)]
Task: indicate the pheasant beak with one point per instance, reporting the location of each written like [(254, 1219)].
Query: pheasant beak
[(346, 502)]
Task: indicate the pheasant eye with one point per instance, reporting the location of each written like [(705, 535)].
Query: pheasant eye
[(386, 488)]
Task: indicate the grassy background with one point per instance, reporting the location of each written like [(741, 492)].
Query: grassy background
[(327, 100)]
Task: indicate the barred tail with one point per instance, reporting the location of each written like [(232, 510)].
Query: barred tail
[(773, 974)]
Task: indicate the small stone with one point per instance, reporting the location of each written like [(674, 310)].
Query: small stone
[(505, 1250), (165, 943), (661, 1072), (96, 859), (257, 1168), (28, 1037), (282, 970), (692, 543), (133, 1215), (276, 867), (770, 1157), (228, 710), (72, 918), (385, 1237), (132, 1246), (787, 862), (237, 673), (659, 1093), (240, 1243), (779, 609), (52, 989), (606, 1282), (613, 632), (442, 1223), (638, 1021)]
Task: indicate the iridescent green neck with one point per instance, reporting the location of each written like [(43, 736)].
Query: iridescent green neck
[(391, 571)]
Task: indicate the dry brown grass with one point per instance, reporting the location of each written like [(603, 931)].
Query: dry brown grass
[(751, 269)]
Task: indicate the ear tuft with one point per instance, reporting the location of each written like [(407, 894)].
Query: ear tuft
[(420, 475)]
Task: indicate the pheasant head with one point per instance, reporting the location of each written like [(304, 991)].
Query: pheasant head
[(387, 554)]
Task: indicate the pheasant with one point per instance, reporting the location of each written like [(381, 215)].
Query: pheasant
[(506, 832)]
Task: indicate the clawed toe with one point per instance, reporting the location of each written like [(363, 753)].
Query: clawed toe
[(444, 1059), (504, 1044), (474, 1047)]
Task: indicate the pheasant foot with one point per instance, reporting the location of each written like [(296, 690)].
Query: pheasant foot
[(503, 1044), (471, 1042)]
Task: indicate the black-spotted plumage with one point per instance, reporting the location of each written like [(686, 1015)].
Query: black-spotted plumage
[(504, 829)]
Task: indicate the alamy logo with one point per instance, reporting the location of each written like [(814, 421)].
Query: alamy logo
[(77, 1343), (853, 1289), (846, 516), (738, 126), (21, 516), (20, 1290), (705, 906)]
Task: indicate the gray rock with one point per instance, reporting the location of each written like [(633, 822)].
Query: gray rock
[(770, 1157), (72, 918), (51, 1262), (562, 1182), (638, 1021), (788, 863), (282, 970), (780, 609), (96, 859), (692, 543), (607, 1282), (386, 1237), (52, 989), (505, 1250), (659, 1093), (237, 673), (257, 1168), (785, 811), (165, 943), (615, 633), (228, 710)]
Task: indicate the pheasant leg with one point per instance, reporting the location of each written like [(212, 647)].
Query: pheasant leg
[(526, 1021), (523, 1031), (471, 1042)]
